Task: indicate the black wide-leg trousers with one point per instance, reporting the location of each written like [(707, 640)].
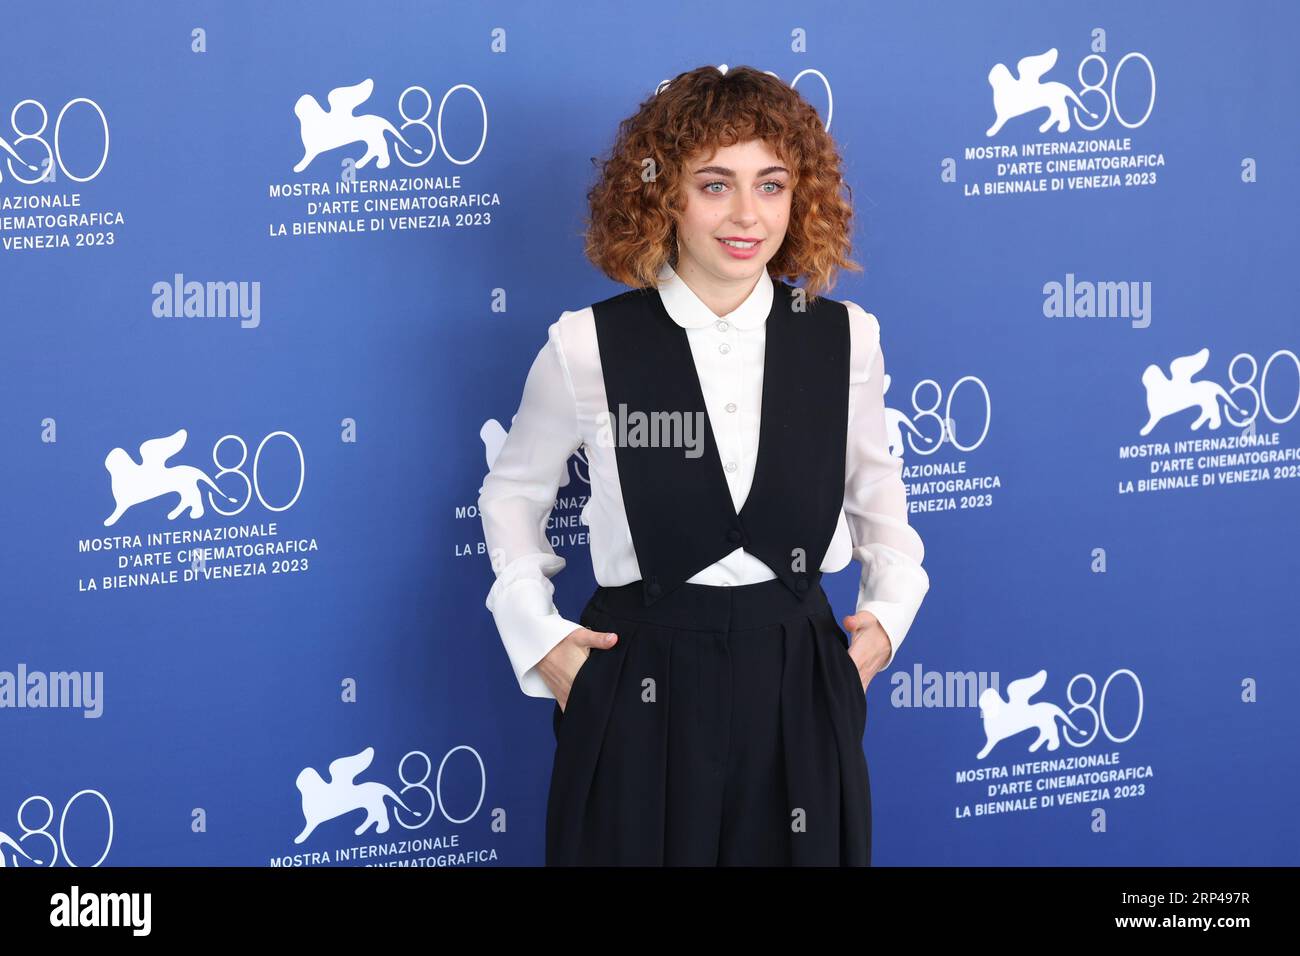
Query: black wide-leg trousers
[(724, 728)]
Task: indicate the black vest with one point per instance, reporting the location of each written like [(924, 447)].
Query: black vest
[(679, 509)]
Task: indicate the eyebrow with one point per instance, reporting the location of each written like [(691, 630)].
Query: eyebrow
[(724, 171)]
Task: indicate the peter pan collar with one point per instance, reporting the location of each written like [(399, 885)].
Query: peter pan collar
[(686, 309)]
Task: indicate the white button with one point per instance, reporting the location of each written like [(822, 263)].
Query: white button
[(722, 325), (731, 466), (726, 584), (724, 348), (731, 406)]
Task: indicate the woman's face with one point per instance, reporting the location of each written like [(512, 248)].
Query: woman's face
[(741, 193)]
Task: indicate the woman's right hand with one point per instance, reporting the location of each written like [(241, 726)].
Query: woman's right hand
[(561, 665)]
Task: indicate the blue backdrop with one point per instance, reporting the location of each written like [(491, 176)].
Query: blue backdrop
[(206, 287)]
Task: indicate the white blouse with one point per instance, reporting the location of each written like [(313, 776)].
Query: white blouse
[(561, 410)]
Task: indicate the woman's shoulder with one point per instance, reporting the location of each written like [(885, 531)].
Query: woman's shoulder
[(574, 332), (860, 319), (573, 337), (864, 338)]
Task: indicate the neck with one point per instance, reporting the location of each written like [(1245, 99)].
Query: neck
[(721, 295)]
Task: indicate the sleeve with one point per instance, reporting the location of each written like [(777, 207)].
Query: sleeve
[(890, 550), (515, 503)]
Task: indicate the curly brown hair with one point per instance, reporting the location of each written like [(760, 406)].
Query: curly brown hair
[(638, 196)]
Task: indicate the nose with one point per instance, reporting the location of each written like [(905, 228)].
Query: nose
[(743, 209)]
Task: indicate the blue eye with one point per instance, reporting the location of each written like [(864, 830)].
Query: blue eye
[(708, 187)]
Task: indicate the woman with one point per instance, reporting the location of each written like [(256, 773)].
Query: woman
[(709, 710)]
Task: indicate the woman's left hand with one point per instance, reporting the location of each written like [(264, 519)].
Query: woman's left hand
[(869, 647)]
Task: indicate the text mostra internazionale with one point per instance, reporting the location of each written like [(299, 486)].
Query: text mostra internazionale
[(153, 539)]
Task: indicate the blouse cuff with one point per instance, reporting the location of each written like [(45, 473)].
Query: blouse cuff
[(892, 588), (526, 617)]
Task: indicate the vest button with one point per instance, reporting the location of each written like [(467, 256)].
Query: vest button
[(801, 585), (652, 587), (734, 536)]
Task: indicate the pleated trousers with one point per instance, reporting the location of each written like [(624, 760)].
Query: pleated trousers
[(724, 728)]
